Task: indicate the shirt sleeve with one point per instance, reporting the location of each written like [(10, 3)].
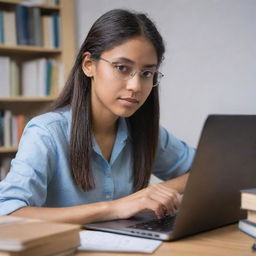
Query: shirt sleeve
[(31, 171), (173, 157)]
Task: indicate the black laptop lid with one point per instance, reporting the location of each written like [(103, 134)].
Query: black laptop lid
[(224, 164)]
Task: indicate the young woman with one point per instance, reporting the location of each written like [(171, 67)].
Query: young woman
[(91, 157)]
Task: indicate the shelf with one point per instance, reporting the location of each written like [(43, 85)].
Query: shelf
[(26, 99), (23, 49), (8, 150), (46, 7), (65, 55)]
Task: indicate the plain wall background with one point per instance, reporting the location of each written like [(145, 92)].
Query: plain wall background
[(210, 62)]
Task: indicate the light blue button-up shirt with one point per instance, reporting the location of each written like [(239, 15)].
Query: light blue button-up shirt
[(40, 173)]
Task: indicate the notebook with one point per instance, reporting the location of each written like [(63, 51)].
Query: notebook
[(225, 163)]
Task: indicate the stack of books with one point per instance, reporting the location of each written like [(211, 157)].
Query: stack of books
[(248, 202), (30, 237)]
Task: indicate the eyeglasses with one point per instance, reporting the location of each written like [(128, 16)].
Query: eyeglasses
[(122, 71)]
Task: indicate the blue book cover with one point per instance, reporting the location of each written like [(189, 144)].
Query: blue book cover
[(56, 30), (48, 76), (1, 27), (21, 13)]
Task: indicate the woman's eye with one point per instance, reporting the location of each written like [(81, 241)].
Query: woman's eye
[(147, 74), (122, 68)]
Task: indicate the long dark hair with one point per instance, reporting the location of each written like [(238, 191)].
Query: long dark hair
[(110, 30)]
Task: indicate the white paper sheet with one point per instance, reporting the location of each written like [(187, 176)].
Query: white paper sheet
[(104, 241)]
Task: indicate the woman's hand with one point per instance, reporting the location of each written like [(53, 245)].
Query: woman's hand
[(157, 198)]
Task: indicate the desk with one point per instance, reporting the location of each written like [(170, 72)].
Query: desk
[(219, 242)]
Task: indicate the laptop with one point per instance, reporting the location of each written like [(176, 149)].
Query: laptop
[(224, 164)]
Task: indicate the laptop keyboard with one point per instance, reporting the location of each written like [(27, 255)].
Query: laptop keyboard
[(162, 225)]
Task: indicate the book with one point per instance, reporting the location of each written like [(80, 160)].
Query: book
[(7, 128), (34, 26), (21, 12), (9, 28), (56, 30), (1, 27), (14, 79), (247, 227), (64, 247), (49, 64), (251, 216), (14, 131), (28, 237), (46, 31), (5, 76), (248, 199), (54, 78), (1, 128)]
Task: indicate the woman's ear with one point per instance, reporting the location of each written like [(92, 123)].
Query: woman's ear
[(87, 64)]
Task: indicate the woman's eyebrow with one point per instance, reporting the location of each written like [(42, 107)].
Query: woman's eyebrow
[(132, 62), (123, 59)]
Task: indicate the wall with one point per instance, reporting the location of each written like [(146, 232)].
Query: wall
[(210, 60)]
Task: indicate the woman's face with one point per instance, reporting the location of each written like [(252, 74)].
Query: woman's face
[(122, 78)]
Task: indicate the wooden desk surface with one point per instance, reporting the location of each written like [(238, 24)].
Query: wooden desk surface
[(219, 242)]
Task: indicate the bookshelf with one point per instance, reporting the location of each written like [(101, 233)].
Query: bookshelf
[(60, 57), (21, 49)]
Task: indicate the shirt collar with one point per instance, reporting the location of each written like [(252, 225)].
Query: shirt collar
[(120, 141), (122, 135)]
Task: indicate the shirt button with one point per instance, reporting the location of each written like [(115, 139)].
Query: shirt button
[(108, 196)]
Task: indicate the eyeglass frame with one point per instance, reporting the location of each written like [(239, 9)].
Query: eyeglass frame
[(131, 75)]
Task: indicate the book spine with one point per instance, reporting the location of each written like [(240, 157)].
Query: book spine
[(1, 27), (35, 26), (251, 216), (14, 131), (248, 201), (5, 76), (55, 30), (54, 78), (22, 24), (1, 128), (247, 227), (48, 77), (42, 63), (9, 28), (45, 31), (14, 79), (7, 128)]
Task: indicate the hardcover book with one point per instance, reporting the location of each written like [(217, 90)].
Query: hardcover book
[(28, 237), (248, 199), (248, 227)]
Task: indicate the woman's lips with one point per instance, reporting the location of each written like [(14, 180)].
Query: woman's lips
[(130, 101)]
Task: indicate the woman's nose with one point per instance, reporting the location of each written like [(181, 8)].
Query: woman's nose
[(134, 83)]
